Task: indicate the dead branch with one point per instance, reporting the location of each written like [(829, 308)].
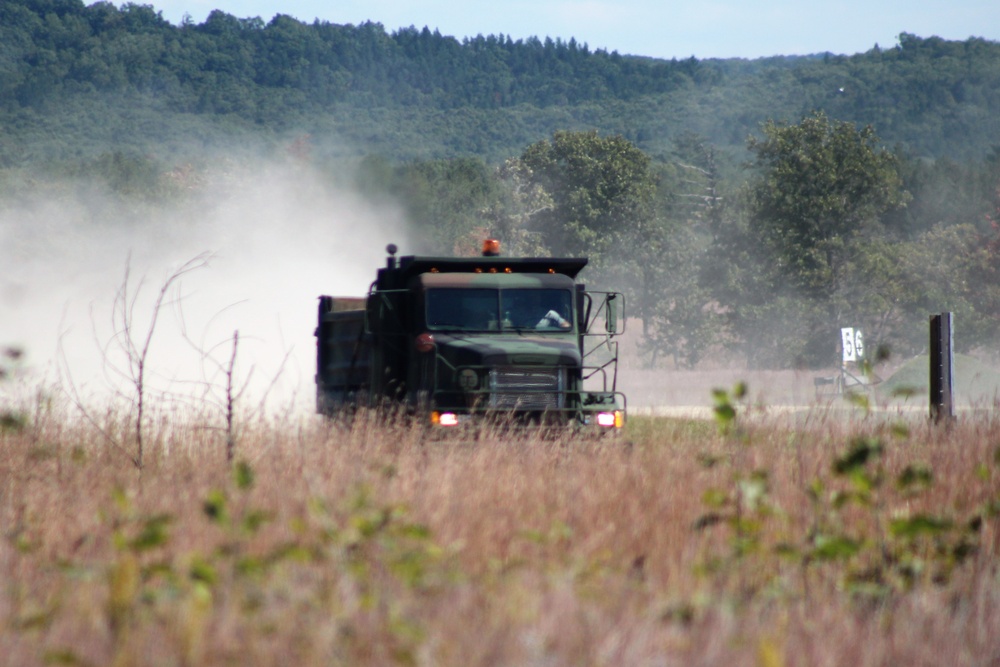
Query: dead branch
[(125, 339)]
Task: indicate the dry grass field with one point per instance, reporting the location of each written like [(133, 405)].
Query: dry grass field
[(747, 542)]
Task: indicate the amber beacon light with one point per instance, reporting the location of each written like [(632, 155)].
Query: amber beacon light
[(491, 248)]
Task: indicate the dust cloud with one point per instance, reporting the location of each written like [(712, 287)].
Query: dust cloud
[(273, 236)]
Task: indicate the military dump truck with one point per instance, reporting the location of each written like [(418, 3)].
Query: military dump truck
[(454, 339)]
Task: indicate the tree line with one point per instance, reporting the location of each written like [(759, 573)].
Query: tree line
[(76, 79)]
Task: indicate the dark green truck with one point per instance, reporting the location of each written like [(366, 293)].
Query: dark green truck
[(452, 339)]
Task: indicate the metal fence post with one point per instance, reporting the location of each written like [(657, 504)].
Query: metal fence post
[(942, 367)]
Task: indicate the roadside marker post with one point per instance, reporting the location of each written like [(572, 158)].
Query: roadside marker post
[(942, 368)]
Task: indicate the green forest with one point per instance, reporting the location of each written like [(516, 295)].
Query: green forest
[(745, 206)]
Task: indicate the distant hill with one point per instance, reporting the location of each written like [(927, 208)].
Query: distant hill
[(78, 80)]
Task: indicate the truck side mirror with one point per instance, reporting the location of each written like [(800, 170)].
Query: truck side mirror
[(611, 315), (584, 303)]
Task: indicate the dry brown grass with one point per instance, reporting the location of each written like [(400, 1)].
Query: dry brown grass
[(374, 545)]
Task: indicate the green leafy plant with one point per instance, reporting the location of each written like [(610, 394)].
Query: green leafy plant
[(10, 419), (725, 407), (862, 533)]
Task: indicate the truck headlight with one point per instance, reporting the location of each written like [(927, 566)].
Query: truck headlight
[(444, 418), (605, 419), (614, 419)]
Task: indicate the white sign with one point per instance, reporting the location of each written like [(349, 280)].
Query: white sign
[(853, 343)]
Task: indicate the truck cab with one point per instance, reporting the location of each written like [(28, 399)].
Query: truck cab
[(455, 339)]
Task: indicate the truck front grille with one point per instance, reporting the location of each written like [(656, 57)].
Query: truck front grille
[(526, 388)]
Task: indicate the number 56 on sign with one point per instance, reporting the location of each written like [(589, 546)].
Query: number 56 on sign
[(853, 343)]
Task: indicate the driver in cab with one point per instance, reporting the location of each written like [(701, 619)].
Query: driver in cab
[(553, 320)]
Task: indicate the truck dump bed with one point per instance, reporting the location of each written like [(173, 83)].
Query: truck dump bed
[(342, 353)]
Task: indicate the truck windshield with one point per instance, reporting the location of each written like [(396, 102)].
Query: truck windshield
[(473, 309)]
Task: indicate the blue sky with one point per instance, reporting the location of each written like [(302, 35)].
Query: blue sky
[(658, 28)]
